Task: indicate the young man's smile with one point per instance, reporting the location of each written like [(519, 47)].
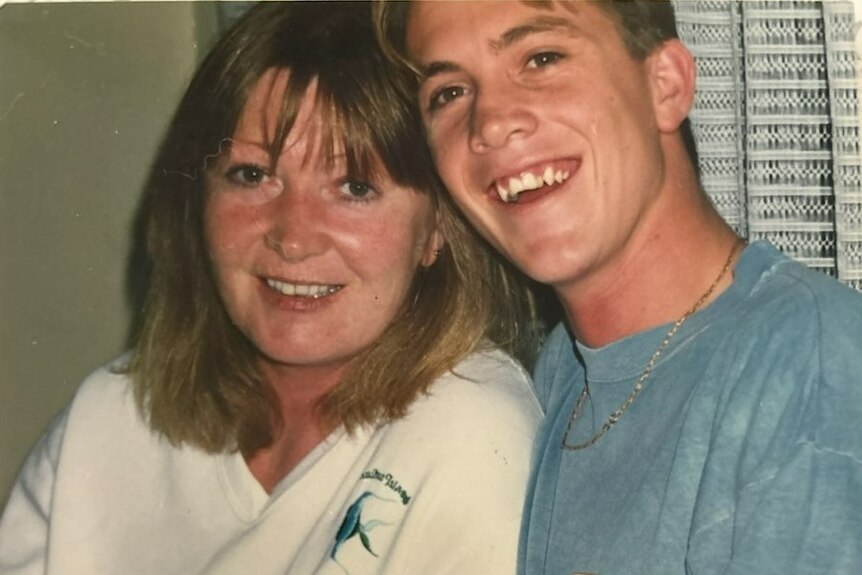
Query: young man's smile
[(541, 180)]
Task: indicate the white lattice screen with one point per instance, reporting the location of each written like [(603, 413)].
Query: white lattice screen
[(776, 119)]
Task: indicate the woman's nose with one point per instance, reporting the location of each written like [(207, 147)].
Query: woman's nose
[(296, 226)]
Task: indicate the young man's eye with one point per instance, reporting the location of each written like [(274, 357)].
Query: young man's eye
[(543, 59), (247, 174), (444, 96), (359, 191)]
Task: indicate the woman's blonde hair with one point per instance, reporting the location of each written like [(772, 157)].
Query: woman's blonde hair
[(194, 373)]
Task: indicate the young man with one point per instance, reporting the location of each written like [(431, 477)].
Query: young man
[(704, 398)]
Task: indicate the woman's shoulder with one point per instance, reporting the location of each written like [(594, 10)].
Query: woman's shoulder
[(490, 378), (493, 368), (477, 422), (109, 385), (487, 394), (105, 403)]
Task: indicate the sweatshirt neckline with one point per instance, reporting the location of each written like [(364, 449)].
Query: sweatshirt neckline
[(246, 495), (626, 358)]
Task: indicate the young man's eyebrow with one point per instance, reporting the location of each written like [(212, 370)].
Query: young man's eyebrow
[(506, 39), (435, 68), (533, 26)]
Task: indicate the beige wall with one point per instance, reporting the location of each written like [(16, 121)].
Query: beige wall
[(85, 93)]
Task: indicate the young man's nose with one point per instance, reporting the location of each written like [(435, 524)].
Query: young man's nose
[(295, 226), (499, 116)]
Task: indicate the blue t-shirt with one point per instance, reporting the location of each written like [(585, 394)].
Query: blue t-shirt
[(742, 454)]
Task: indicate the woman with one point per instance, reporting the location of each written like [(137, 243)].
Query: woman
[(312, 390)]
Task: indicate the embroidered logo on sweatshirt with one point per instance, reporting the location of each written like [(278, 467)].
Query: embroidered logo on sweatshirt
[(366, 519), (353, 525), (388, 481)]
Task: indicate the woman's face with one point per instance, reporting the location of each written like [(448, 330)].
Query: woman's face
[(311, 265)]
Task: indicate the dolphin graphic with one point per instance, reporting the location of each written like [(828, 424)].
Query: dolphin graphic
[(353, 525)]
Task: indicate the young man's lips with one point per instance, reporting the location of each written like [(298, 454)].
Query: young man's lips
[(527, 197), (533, 182)]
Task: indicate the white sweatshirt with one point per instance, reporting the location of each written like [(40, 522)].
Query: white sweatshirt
[(440, 491)]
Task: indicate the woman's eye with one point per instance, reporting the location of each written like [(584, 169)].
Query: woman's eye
[(247, 175), (543, 59), (357, 190), (445, 95)]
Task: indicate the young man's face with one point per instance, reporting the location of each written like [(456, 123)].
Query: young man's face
[(548, 100)]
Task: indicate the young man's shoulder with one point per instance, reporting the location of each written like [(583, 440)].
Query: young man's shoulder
[(794, 345), (795, 299)]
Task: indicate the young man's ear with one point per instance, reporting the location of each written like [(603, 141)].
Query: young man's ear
[(672, 72)]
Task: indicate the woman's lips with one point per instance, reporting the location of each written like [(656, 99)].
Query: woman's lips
[(306, 290)]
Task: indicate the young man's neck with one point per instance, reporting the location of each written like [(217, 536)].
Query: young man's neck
[(667, 266)]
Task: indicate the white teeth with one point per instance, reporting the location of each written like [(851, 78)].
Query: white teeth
[(302, 290), (529, 181), (501, 191), (548, 176), (516, 186)]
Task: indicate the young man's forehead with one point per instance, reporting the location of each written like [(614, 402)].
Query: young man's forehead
[(527, 16), (640, 15), (510, 36)]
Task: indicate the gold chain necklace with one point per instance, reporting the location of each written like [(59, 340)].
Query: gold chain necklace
[(614, 417)]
